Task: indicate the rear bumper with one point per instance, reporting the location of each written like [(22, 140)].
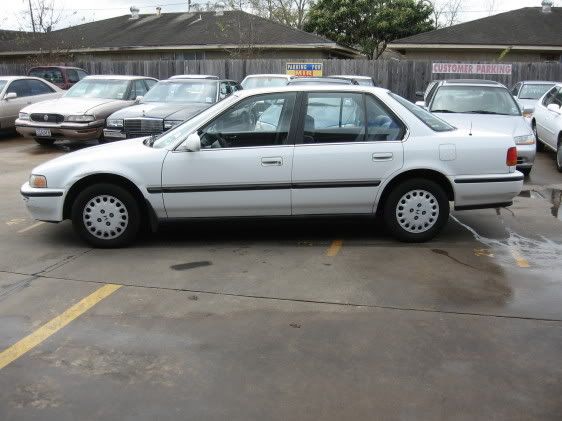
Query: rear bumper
[(473, 192), (73, 131), (43, 204)]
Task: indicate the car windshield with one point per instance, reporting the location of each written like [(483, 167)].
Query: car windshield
[(202, 91), (179, 133), (2, 84), (433, 122), (99, 88), (474, 100), (53, 75), (365, 82), (264, 82), (534, 91)]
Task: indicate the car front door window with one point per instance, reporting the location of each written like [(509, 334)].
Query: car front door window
[(20, 87), (262, 120)]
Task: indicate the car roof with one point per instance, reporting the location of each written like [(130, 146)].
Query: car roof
[(320, 80), (471, 82), (56, 67), (264, 75), (194, 77), (10, 78), (540, 82), (352, 77), (311, 88), (117, 77)]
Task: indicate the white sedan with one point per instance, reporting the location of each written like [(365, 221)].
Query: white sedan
[(290, 151), (547, 122)]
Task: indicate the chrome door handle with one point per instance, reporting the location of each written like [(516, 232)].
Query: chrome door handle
[(272, 162), (383, 156)]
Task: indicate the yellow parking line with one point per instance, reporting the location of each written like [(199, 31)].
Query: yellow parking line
[(334, 248), (519, 259), (31, 341), (30, 227)]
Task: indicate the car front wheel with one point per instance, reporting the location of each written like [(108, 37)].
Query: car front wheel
[(106, 215), (416, 210)]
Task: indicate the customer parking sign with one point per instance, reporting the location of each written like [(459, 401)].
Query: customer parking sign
[(304, 69)]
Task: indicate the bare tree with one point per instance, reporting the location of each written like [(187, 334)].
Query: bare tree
[(41, 15), (287, 12), (446, 12)]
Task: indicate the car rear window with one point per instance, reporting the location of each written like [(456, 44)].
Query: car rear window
[(53, 75), (431, 121)]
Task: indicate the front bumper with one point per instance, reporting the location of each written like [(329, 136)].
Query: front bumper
[(526, 155), (44, 204), (72, 131), (486, 191), (114, 134)]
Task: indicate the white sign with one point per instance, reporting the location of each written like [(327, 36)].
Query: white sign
[(472, 69)]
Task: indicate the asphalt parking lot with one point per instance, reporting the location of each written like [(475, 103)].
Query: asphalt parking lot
[(308, 320)]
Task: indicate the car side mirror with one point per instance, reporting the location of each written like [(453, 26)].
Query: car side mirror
[(421, 104), (554, 108), (138, 99), (193, 143), (10, 95)]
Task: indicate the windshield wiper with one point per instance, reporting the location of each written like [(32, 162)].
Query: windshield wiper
[(443, 111), (484, 112)]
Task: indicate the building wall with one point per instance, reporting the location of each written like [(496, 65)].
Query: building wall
[(487, 56)]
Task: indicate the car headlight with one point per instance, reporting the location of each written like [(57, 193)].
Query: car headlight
[(115, 122), (38, 181), (527, 139), (23, 116), (80, 118), (171, 123)]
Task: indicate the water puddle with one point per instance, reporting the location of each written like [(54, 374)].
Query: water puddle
[(554, 196)]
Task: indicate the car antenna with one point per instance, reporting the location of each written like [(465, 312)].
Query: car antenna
[(470, 131)]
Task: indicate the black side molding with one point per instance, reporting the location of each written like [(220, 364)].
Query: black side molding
[(41, 194), (489, 180), (488, 206)]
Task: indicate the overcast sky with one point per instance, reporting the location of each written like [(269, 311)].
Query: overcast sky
[(75, 12)]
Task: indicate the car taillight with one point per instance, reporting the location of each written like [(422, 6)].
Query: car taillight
[(511, 159)]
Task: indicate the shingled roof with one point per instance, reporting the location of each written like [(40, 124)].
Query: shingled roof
[(529, 26), (168, 30)]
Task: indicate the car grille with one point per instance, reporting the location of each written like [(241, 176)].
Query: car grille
[(51, 118), (138, 127)]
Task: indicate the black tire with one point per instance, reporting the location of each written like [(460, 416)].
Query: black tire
[(116, 212), (44, 142), (540, 146), (525, 171), (559, 155), (435, 200)]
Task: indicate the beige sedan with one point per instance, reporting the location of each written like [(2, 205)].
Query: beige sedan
[(81, 113), (17, 92)]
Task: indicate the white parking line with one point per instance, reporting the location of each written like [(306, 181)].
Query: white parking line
[(30, 227)]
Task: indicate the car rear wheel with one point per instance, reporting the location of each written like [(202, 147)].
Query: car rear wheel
[(416, 210), (44, 142), (106, 215)]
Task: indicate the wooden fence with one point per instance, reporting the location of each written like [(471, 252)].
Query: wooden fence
[(402, 77)]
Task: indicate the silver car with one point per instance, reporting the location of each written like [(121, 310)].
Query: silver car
[(489, 106), (80, 114), (528, 92), (17, 92)]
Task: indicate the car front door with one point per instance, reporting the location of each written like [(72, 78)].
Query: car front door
[(548, 120), (348, 143), (243, 167)]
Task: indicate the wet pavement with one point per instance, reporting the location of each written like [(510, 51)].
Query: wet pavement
[(317, 319)]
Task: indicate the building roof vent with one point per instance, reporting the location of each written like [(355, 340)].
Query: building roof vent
[(134, 12), (546, 6)]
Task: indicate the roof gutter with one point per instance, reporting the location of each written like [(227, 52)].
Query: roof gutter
[(473, 47)]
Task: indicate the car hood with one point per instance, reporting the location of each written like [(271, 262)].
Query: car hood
[(164, 110), (69, 106), (513, 125)]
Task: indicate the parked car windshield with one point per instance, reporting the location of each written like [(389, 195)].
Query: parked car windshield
[(433, 122), (204, 91), (264, 82), (99, 88), (474, 100), (53, 75), (534, 91), (365, 82)]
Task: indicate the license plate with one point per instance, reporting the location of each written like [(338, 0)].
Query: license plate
[(43, 132)]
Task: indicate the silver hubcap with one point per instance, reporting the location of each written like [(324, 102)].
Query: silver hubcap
[(105, 217), (417, 211)]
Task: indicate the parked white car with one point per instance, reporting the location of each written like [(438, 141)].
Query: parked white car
[(485, 105), (265, 81), (528, 92), (547, 122), (310, 150), (17, 92)]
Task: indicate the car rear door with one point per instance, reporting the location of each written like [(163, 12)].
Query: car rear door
[(243, 167), (347, 144)]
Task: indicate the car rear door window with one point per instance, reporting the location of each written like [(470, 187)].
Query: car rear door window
[(37, 87), (549, 97), (20, 87), (381, 123), (262, 120)]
